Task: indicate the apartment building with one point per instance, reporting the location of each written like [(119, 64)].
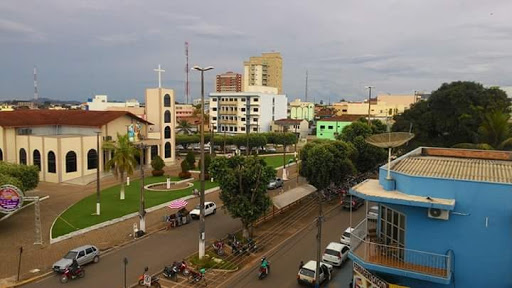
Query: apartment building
[(228, 82), (245, 112), (264, 70)]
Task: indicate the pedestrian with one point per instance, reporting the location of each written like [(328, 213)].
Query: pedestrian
[(301, 264)]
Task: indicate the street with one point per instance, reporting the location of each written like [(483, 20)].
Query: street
[(285, 263)]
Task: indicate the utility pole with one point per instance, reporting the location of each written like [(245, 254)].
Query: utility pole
[(318, 239), (142, 211), (369, 103), (187, 85), (37, 214), (98, 210)]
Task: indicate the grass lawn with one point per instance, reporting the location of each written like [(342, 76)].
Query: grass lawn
[(277, 161), (80, 216)]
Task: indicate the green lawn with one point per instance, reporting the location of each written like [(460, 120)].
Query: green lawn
[(80, 216), (277, 161)]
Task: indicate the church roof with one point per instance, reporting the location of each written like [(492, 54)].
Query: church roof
[(26, 118)]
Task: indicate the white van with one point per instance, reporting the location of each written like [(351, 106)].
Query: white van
[(335, 253)]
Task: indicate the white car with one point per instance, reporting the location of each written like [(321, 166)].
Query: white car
[(83, 255), (373, 213), (335, 253), (345, 237), (209, 208), (307, 274)]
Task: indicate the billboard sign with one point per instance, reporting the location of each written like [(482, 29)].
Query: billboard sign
[(11, 198)]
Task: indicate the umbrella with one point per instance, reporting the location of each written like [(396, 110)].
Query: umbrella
[(177, 204)]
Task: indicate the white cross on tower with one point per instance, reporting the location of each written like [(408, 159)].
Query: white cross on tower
[(159, 71)]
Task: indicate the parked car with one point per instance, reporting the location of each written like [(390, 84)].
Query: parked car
[(209, 208), (345, 237), (83, 255), (307, 274), (373, 213), (269, 149), (275, 183), (335, 253), (353, 202)]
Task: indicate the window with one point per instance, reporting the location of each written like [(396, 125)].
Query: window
[(256, 99), (167, 116), (242, 109), (255, 129), (1, 155), (231, 128), (214, 99), (242, 119), (70, 162), (322, 127), (167, 150), (81, 254), (242, 128), (243, 99), (88, 251), (51, 162), (255, 110), (92, 157), (330, 127), (214, 118), (36, 157), (392, 225), (214, 109), (167, 100), (23, 156), (255, 119), (167, 132)]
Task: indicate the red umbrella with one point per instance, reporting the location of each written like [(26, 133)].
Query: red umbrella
[(177, 204)]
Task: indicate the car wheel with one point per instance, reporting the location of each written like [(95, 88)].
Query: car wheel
[(96, 259), (214, 210)]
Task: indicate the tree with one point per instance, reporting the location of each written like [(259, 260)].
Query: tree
[(184, 128), (184, 174), (25, 177), (123, 160), (157, 164), (185, 140), (284, 139), (243, 182), (350, 132), (451, 115), (256, 141), (494, 133), (207, 162), (191, 160)]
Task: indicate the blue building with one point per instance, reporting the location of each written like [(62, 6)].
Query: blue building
[(444, 220)]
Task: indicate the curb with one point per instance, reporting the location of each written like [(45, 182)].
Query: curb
[(35, 278)]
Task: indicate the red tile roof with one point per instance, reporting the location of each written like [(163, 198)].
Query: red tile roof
[(285, 121), (343, 118), (23, 118)]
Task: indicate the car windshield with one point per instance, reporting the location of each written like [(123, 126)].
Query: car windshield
[(346, 234), (307, 272), (332, 252), (374, 210), (70, 255)]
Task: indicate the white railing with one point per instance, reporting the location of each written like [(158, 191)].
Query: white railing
[(365, 245)]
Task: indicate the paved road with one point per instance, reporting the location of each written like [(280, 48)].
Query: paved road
[(303, 247), (155, 251)]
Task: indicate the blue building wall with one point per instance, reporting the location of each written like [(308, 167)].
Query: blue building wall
[(482, 253)]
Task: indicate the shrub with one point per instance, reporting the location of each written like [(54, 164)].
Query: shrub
[(157, 163), (184, 166), (207, 161), (191, 160), (28, 175), (185, 175)]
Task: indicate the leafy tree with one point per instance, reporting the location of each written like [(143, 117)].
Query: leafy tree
[(256, 141), (243, 182), (350, 132), (207, 162), (451, 115), (494, 133), (285, 139), (184, 128), (157, 164), (185, 140), (184, 174), (191, 160), (25, 177), (123, 160)]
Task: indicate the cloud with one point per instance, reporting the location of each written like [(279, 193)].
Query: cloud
[(117, 39), (204, 29), (11, 31)]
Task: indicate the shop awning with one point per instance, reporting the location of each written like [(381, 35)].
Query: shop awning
[(292, 195)]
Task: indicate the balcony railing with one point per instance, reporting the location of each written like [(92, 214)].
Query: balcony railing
[(229, 103), (230, 122), (227, 112), (365, 245)]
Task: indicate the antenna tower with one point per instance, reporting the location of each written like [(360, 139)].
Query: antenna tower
[(36, 93), (187, 87)]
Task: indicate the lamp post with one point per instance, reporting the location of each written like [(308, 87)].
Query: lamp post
[(98, 173), (142, 210), (369, 99), (125, 261), (201, 197)]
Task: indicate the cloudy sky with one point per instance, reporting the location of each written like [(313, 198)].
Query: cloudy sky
[(87, 47)]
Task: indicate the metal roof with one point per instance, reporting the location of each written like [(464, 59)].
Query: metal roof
[(456, 168)]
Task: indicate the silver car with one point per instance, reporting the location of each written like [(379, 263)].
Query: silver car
[(83, 255), (276, 183)]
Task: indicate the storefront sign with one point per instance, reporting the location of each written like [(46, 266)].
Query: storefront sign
[(11, 198), (365, 279)]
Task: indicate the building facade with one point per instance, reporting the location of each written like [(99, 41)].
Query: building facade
[(245, 112), (161, 112), (302, 110), (100, 103), (329, 128), (385, 105), (298, 126), (445, 217), (228, 82), (184, 110), (264, 70)]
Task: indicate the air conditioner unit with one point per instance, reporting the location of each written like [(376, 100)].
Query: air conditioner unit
[(438, 213)]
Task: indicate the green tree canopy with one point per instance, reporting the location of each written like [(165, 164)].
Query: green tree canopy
[(25, 177), (185, 140), (243, 182), (123, 161)]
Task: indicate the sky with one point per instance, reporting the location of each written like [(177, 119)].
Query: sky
[(87, 47)]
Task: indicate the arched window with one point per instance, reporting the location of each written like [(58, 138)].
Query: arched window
[(92, 157), (36, 157), (70, 162), (23, 156), (52, 167), (1, 155), (167, 150), (167, 116), (167, 100), (167, 132)]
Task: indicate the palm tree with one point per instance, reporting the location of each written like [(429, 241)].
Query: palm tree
[(494, 133), (123, 160), (184, 127)]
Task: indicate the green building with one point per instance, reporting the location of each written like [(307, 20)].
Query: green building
[(328, 128)]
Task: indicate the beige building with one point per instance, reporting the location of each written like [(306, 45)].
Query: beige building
[(298, 126), (5, 107), (161, 112), (264, 70), (301, 110), (184, 110), (383, 106)]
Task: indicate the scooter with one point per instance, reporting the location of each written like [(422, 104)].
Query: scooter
[(154, 280), (196, 276), (171, 272), (218, 246), (182, 268), (78, 273)]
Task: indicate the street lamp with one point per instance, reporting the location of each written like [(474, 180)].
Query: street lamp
[(201, 197), (142, 211), (369, 99), (98, 172)]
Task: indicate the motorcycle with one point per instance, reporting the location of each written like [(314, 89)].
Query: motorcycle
[(182, 268), (78, 273), (264, 271), (218, 246), (171, 272), (195, 277), (154, 280), (250, 246)]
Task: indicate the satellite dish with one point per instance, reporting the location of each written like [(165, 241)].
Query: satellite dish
[(389, 140)]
